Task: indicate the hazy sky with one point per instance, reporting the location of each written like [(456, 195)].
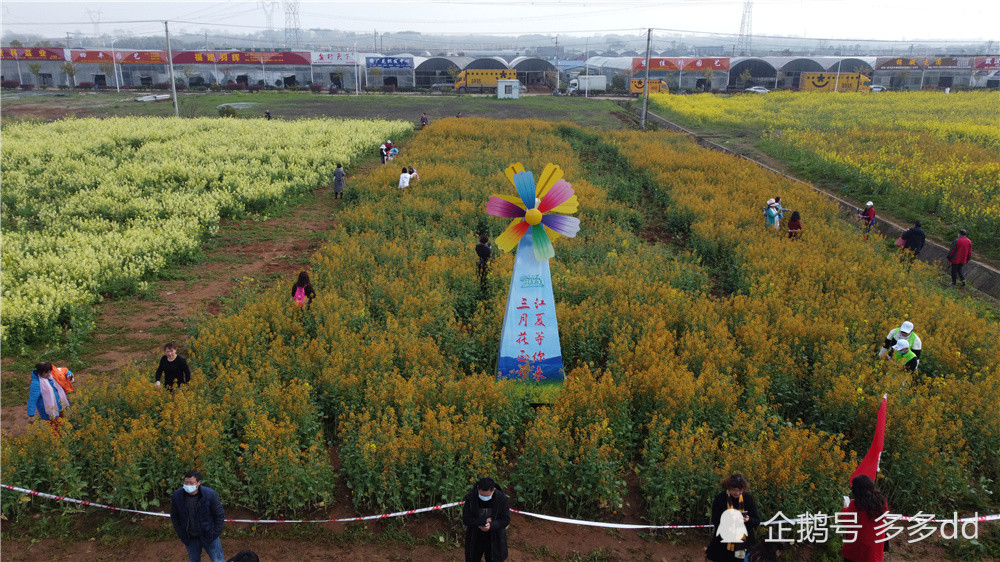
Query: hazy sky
[(862, 19)]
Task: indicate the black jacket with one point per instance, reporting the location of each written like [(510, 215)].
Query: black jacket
[(915, 239), (208, 515), (497, 509), (717, 550)]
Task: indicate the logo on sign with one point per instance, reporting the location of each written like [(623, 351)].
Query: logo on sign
[(531, 281)]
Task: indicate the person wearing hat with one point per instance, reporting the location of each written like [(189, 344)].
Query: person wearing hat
[(903, 355), (771, 214), (904, 332), (868, 216)]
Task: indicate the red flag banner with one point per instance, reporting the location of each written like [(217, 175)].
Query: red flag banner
[(870, 464)]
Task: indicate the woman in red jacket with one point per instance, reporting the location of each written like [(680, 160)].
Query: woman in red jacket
[(868, 504), (961, 251)]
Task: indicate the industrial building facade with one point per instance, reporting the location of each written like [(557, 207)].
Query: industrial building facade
[(125, 68)]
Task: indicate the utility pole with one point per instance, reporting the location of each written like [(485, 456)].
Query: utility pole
[(170, 65), (645, 83)]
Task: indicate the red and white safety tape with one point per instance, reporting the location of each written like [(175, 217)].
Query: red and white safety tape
[(995, 517)]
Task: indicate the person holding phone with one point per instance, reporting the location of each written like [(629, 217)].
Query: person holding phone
[(486, 514)]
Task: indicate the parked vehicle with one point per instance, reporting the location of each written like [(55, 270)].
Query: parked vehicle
[(757, 90), (587, 84), (635, 86), (877, 88), (482, 81), (834, 82)]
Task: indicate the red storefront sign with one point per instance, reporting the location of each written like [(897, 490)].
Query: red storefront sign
[(240, 57), (32, 53), (717, 63), (141, 57), (91, 56), (655, 63), (987, 62)]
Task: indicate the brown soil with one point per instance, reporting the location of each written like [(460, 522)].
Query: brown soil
[(419, 538)]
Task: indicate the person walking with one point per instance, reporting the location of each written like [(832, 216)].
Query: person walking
[(404, 180), (485, 252), (302, 290), (423, 120), (914, 239), (173, 368), (486, 514), (46, 396), (197, 515), (903, 332), (868, 218), (867, 505), (958, 255), (735, 495), (795, 225), (338, 182), (267, 114), (383, 152)]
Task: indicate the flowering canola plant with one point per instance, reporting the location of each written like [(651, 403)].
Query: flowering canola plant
[(696, 343), (100, 206), (935, 156)]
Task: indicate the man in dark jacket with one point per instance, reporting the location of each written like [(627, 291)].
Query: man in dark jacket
[(961, 251), (914, 239), (197, 515), (486, 514)]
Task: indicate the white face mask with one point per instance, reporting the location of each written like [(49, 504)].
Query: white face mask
[(485, 498), (190, 489)]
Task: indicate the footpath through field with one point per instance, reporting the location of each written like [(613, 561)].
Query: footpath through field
[(980, 275)]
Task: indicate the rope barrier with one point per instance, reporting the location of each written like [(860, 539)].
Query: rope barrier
[(980, 518)]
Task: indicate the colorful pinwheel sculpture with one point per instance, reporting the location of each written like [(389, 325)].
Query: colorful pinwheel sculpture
[(529, 341), (534, 208)]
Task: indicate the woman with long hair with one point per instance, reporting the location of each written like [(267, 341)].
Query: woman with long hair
[(302, 291), (735, 496), (868, 505)]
